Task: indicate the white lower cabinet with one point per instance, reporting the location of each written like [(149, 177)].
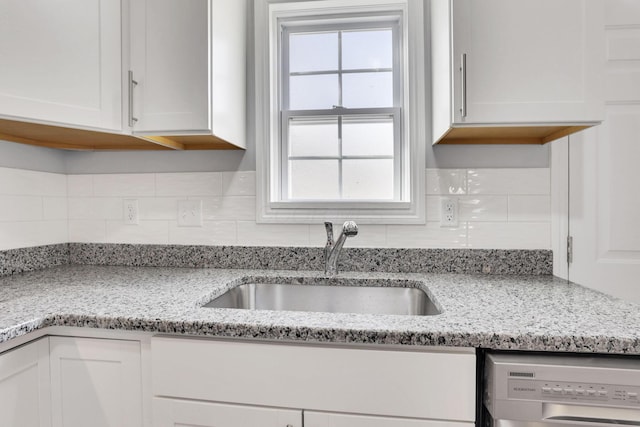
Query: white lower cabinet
[(24, 386), (95, 382), (376, 386)]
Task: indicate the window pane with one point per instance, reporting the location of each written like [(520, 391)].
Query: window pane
[(368, 179), (367, 137), (367, 90), (313, 92), (313, 179), (313, 52), (367, 49), (313, 137)]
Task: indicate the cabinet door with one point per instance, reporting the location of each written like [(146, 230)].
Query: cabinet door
[(24, 386), (170, 63), (528, 61), (95, 382), (325, 419), (178, 413), (60, 62)]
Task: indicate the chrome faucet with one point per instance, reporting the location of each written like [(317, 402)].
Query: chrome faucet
[(332, 250)]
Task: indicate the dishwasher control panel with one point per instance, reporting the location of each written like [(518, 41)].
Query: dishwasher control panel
[(546, 390), (529, 381)]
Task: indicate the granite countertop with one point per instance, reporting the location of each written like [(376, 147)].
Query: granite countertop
[(491, 311)]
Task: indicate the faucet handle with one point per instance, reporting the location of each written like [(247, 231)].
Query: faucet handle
[(328, 226), (349, 228)]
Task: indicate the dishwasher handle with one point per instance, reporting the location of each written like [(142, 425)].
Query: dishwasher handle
[(590, 414)]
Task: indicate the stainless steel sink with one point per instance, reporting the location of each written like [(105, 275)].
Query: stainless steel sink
[(328, 298)]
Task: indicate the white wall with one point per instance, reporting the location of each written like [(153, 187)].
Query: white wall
[(499, 208)]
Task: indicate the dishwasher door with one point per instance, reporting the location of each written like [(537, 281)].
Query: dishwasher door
[(522, 390)]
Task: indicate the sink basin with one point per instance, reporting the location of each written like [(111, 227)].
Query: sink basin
[(354, 297)]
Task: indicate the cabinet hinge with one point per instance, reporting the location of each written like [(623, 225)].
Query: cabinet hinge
[(569, 249)]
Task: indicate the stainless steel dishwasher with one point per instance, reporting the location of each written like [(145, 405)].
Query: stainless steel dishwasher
[(522, 390)]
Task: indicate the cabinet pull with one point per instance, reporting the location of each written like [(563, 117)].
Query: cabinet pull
[(463, 85), (132, 84)]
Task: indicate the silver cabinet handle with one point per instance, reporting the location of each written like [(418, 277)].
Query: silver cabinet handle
[(463, 85), (132, 84)]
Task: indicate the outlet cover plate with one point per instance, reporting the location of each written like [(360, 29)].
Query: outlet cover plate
[(448, 212), (131, 214), (189, 213)]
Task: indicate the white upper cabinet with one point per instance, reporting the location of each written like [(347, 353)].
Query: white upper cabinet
[(61, 62), (526, 71), (188, 70)]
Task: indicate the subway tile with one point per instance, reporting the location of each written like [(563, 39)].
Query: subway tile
[(146, 232), (530, 208), (80, 185), (446, 181), (252, 234), (87, 231), (430, 235), (509, 235), (533, 181), (158, 208), (20, 182), (123, 185), (20, 208), (24, 234), (215, 233), (189, 184), (241, 183), (55, 208), (241, 208), (96, 208), (433, 208), (483, 208)]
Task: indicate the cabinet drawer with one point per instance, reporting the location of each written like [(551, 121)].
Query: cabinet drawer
[(180, 413), (420, 384)]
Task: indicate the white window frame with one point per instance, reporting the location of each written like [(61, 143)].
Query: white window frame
[(409, 208)]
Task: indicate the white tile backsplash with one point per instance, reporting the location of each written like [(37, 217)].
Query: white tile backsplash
[(483, 208), (239, 183), (145, 232), (87, 231), (216, 233), (446, 181), (55, 208), (499, 208), (21, 208), (80, 185), (96, 208), (228, 208), (189, 184), (124, 185), (509, 181), (252, 234), (530, 208), (510, 235), (430, 235)]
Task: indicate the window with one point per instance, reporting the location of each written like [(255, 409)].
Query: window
[(338, 129)]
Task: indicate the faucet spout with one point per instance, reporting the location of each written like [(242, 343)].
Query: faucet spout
[(332, 250)]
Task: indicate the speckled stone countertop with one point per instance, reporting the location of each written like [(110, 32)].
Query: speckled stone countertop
[(491, 311)]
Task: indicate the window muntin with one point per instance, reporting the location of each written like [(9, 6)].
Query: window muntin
[(340, 109)]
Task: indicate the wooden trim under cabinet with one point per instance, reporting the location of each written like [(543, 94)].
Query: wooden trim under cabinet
[(44, 135), (508, 135)]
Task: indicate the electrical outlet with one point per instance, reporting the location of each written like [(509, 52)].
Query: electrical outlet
[(131, 212), (448, 212), (189, 213)]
